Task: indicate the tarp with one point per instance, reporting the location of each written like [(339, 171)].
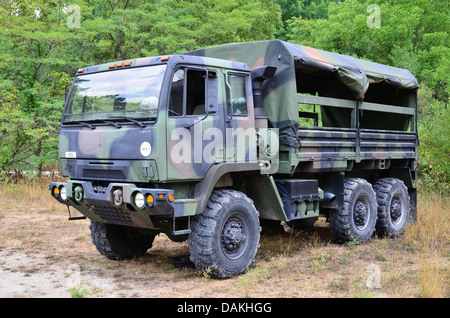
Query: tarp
[(280, 93)]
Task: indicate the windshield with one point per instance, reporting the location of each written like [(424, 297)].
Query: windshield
[(131, 93)]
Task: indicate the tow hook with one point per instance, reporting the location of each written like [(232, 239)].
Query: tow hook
[(78, 193), (118, 197)]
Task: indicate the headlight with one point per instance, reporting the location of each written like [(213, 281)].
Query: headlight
[(63, 193), (139, 200)]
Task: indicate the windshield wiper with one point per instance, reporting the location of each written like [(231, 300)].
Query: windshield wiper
[(137, 122), (82, 123), (111, 123), (92, 126)]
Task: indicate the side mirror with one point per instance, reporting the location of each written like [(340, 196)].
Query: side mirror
[(65, 91), (212, 106)]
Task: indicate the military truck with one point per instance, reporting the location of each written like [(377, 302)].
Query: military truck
[(214, 144)]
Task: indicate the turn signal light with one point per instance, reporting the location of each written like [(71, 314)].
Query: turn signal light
[(150, 200)]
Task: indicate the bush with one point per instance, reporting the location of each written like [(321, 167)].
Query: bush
[(434, 134)]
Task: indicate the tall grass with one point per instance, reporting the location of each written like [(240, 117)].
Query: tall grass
[(431, 239), (26, 194), (432, 229)]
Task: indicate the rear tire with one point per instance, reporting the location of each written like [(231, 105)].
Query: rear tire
[(357, 219), (393, 207), (225, 237), (119, 242)]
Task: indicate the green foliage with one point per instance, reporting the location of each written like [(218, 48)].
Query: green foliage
[(33, 78), (434, 150), (412, 34)]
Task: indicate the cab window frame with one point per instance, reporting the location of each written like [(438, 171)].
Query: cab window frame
[(185, 114), (228, 89)]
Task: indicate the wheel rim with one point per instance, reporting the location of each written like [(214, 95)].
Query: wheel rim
[(361, 213), (234, 236), (396, 210)]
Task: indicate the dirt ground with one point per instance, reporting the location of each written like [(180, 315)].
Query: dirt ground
[(42, 254)]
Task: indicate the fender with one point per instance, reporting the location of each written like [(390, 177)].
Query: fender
[(204, 188), (261, 189)]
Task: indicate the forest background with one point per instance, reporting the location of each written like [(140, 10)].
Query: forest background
[(44, 42)]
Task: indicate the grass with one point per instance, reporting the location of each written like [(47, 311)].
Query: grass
[(431, 238), (79, 291), (291, 264), (414, 265)]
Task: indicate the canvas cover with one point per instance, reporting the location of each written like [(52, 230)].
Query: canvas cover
[(292, 60)]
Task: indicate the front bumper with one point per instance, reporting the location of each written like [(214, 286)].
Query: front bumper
[(121, 203)]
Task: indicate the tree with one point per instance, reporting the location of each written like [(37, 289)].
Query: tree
[(44, 42), (409, 36), (33, 79)]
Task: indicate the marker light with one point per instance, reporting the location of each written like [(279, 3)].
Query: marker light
[(128, 63), (171, 197), (112, 65), (55, 191), (150, 200), (139, 200)]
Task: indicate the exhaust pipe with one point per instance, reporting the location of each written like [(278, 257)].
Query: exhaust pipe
[(328, 196), (259, 75)]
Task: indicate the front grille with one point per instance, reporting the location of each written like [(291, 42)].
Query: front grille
[(103, 174), (113, 215)]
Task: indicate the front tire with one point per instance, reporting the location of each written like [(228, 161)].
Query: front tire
[(225, 237), (119, 242), (357, 219)]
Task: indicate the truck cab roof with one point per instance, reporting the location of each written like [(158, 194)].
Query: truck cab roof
[(170, 60)]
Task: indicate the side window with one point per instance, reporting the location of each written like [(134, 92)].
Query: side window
[(195, 92), (193, 103), (236, 97), (176, 94)]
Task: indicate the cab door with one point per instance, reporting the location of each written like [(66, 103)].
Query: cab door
[(193, 125), (239, 118)]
